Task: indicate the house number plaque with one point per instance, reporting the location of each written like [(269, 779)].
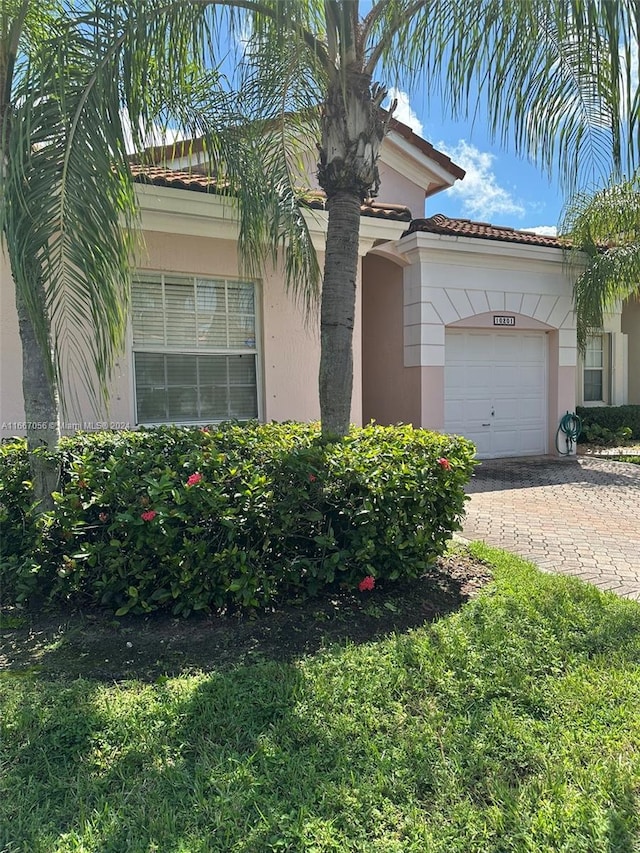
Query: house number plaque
[(502, 320)]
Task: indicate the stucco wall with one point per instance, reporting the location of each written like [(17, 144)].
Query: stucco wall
[(631, 327), (395, 188), (289, 342), (11, 406), (390, 391), (290, 351), (449, 280), (289, 346), (451, 283)]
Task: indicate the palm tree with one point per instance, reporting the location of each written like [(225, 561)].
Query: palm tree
[(69, 211), (604, 226), (21, 27), (550, 73)]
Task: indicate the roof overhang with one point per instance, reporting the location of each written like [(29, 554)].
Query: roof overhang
[(469, 251), (414, 157), (200, 214)]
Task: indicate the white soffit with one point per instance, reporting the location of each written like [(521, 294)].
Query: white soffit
[(405, 158)]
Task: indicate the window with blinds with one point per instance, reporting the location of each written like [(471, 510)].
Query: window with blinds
[(596, 375), (194, 349)]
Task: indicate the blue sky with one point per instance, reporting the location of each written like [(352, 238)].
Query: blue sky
[(499, 187)]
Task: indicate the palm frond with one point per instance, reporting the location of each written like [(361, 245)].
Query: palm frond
[(610, 278), (68, 198), (281, 93), (70, 206), (604, 227), (254, 141), (549, 73)]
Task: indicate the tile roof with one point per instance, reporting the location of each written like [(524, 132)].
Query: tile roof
[(189, 147), (162, 176), (426, 148), (440, 224)]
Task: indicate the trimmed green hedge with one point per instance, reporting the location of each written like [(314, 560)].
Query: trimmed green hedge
[(191, 519), (611, 418)]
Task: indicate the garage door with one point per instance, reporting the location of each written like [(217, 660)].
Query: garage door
[(496, 390)]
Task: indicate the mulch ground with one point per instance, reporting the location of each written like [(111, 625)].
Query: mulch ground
[(95, 645)]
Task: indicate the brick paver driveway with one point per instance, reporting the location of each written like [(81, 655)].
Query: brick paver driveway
[(578, 516)]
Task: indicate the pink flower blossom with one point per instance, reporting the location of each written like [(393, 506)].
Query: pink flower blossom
[(103, 517), (312, 478), (149, 515), (444, 463), (367, 583), (194, 479)]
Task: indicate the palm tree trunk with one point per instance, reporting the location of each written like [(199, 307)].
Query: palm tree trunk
[(40, 409), (338, 313), (352, 133)]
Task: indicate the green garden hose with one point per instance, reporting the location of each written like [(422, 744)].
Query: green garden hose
[(570, 427)]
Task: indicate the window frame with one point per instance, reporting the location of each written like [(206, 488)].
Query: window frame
[(256, 351), (605, 337)]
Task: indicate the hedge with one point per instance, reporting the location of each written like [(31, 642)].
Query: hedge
[(201, 519), (611, 418)]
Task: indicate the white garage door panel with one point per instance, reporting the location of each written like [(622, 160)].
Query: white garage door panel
[(496, 390)]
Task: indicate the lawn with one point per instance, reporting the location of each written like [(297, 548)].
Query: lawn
[(511, 724)]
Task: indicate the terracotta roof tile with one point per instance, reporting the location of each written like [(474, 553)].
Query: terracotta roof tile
[(161, 176), (440, 224), (426, 148), (189, 147)]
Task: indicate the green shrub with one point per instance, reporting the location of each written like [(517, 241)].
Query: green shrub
[(21, 573), (604, 435), (192, 519), (611, 418)]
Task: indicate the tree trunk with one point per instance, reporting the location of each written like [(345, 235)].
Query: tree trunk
[(40, 409), (352, 132), (40, 400), (338, 313)]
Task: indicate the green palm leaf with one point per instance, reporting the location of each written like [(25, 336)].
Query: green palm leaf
[(604, 226), (71, 215)]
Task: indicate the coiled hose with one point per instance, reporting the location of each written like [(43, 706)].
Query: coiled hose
[(570, 427)]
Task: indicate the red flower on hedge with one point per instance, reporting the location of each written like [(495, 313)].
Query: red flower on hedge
[(312, 478), (149, 515), (194, 479), (367, 583), (444, 463)]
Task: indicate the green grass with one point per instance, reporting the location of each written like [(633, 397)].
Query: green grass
[(625, 457), (512, 725)]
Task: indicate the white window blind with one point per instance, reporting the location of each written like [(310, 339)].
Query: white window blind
[(194, 343), (596, 369)]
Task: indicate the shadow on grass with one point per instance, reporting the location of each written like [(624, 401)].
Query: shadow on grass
[(92, 645), (509, 725)]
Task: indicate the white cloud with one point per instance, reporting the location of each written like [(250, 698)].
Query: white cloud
[(544, 230), (403, 111), (152, 136), (479, 191)]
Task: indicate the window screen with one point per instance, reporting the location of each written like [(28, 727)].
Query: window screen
[(194, 343)]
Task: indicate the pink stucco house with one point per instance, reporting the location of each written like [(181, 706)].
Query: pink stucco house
[(461, 326)]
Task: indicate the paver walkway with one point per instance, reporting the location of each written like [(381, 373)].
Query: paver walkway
[(578, 516)]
